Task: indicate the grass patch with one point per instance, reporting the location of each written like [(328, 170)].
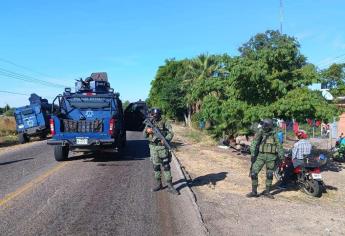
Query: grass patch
[(198, 136), (7, 131), (8, 140), (194, 135), (7, 126)]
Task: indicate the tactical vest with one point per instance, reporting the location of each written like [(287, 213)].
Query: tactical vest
[(161, 126), (268, 144)]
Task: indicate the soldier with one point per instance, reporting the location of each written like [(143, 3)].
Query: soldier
[(265, 149), (160, 154)]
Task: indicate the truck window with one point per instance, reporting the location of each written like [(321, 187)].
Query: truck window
[(89, 102)]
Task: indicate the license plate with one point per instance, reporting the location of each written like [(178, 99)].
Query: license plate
[(316, 176), (82, 141)]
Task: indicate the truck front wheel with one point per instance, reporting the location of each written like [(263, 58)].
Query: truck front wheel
[(61, 153)]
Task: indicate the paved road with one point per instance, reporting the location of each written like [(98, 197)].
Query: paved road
[(104, 194)]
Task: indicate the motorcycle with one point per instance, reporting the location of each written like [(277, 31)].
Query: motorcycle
[(307, 176)]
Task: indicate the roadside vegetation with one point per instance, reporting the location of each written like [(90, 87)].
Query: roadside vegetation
[(269, 78), (7, 130), (6, 111)]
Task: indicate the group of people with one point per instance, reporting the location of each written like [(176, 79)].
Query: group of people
[(266, 149)]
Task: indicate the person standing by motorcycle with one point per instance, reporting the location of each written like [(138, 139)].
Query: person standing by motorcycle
[(265, 149), (301, 149)]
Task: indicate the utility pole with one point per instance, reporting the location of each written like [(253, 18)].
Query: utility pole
[(281, 16)]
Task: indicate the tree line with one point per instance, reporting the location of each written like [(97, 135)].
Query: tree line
[(270, 78), (6, 110)]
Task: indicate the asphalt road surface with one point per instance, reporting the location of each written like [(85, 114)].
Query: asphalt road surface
[(103, 194)]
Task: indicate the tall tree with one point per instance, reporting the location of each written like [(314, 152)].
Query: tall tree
[(334, 79), (166, 89)]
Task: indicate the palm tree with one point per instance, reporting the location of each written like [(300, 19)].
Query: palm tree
[(199, 72)]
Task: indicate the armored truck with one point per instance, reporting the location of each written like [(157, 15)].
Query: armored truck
[(33, 120), (135, 114), (89, 119)]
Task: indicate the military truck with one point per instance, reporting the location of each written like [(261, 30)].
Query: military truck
[(89, 119), (135, 114), (33, 120)]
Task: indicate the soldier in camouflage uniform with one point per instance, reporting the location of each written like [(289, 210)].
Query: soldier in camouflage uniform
[(265, 149), (160, 154)]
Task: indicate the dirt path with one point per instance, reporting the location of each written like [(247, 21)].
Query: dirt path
[(220, 180)]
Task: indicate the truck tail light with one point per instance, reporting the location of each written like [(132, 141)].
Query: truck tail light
[(111, 126), (52, 126)]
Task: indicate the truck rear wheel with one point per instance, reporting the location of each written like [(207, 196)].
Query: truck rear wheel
[(43, 136), (23, 138), (61, 153)]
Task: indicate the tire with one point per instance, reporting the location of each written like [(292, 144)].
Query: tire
[(61, 153), (278, 174), (23, 138), (43, 136), (124, 141), (312, 188)]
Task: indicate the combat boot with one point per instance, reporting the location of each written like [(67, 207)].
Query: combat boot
[(158, 186), (171, 188), (267, 193), (253, 193)]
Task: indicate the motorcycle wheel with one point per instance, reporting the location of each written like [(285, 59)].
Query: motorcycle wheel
[(312, 188), (278, 174)]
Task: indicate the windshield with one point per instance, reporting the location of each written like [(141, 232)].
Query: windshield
[(89, 102)]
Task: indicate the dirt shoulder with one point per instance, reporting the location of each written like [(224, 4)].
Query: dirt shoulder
[(220, 181)]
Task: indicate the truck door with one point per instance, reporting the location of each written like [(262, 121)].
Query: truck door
[(135, 114)]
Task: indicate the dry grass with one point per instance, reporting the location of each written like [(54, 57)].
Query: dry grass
[(194, 136), (7, 126)]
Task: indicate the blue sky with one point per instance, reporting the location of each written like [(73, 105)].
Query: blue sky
[(65, 40)]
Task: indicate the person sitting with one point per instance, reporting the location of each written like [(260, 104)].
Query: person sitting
[(341, 140), (301, 149)]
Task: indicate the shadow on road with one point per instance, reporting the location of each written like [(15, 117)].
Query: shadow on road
[(11, 162), (8, 143), (209, 179), (134, 150)]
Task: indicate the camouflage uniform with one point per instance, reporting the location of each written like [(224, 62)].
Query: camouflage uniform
[(160, 155), (266, 148)]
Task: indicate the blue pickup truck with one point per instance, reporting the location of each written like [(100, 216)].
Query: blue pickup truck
[(89, 119), (33, 120)]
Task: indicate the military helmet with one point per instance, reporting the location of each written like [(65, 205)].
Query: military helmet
[(267, 124), (156, 113)]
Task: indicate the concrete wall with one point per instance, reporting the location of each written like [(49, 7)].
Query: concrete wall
[(341, 124)]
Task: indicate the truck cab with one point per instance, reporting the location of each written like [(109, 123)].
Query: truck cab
[(89, 119), (33, 120)]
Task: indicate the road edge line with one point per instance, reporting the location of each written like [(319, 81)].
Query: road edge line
[(191, 193)]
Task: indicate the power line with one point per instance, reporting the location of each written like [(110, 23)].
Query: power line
[(23, 67), (14, 75), (2, 91), (338, 59)]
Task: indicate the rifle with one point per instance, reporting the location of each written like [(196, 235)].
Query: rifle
[(158, 134)]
